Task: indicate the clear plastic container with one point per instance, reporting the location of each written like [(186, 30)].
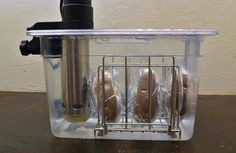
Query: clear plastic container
[(110, 74)]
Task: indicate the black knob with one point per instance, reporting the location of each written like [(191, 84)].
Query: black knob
[(32, 47), (23, 48)]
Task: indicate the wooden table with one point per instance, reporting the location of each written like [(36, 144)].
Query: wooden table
[(24, 128)]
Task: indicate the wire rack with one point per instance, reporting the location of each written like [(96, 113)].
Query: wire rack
[(165, 124)]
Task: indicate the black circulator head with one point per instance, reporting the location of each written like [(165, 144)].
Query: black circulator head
[(77, 11)]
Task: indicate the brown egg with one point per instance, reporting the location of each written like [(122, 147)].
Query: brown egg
[(141, 100), (183, 109), (186, 79), (185, 84), (111, 103)]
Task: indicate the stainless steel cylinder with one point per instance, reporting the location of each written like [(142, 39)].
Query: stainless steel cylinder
[(75, 73)]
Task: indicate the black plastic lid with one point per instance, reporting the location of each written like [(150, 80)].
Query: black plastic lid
[(61, 25)]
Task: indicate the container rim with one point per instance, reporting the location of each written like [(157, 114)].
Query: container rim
[(124, 32)]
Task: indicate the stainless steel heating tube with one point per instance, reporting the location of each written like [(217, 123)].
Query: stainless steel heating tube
[(75, 73)]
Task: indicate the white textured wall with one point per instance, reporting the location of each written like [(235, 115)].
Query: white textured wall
[(218, 75)]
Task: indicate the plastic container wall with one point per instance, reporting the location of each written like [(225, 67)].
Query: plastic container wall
[(122, 61)]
